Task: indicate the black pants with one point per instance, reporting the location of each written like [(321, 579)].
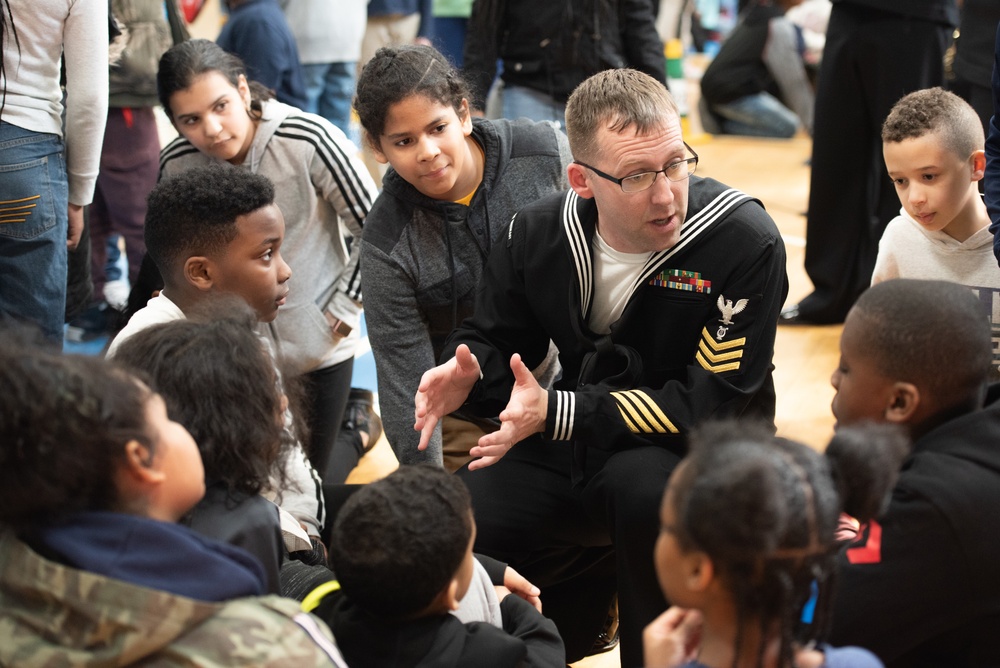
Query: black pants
[(579, 544), (871, 59), (326, 391)]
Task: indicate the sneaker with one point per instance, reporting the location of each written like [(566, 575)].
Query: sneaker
[(360, 416)]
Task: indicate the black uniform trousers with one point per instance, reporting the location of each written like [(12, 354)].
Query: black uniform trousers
[(579, 543), (871, 59)]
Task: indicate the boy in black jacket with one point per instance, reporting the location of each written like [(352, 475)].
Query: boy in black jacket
[(402, 550), (920, 587)]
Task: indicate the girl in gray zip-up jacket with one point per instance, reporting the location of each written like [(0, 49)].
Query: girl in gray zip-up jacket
[(454, 185)]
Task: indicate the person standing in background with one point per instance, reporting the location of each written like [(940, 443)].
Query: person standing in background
[(329, 38), (549, 48), (47, 174), (451, 21), (258, 33), (876, 52)]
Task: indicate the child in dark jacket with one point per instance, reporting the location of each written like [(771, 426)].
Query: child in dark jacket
[(402, 551)]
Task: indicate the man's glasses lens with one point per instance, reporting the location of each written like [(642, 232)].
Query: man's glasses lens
[(675, 172)]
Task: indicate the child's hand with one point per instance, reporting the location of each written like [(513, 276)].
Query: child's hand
[(515, 583), (672, 639)]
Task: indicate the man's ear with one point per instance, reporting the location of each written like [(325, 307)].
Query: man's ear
[(978, 163), (579, 180), (904, 402), (198, 272)]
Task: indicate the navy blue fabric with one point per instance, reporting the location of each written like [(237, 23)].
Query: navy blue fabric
[(258, 33), (404, 7), (158, 555)]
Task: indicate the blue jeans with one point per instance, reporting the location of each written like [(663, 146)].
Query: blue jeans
[(329, 91), (34, 196), (760, 115), (521, 102)]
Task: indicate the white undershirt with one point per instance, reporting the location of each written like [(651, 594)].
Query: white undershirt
[(614, 273)]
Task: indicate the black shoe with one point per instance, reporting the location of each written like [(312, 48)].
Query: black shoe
[(794, 315), (609, 636), (360, 415)]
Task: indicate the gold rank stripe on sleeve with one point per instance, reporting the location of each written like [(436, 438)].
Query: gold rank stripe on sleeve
[(719, 356), (641, 413)]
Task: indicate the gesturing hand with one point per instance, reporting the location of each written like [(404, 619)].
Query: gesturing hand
[(443, 390), (523, 416)]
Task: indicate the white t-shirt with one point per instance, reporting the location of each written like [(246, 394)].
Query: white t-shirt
[(614, 273)]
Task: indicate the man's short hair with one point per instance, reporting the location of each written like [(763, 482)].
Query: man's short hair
[(399, 541), (616, 99), (195, 212), (934, 334), (936, 110)]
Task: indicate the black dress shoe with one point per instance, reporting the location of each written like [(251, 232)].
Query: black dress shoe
[(791, 315)]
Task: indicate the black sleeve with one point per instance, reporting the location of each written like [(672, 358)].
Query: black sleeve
[(537, 632), (480, 56), (643, 48), (494, 568)]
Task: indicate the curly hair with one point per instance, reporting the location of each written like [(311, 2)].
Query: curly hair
[(935, 110), (934, 334), (182, 63), (195, 212), (219, 382), (64, 425), (397, 72), (765, 511), (398, 542)]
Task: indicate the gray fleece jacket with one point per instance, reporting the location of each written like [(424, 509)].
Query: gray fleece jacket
[(423, 259), (324, 192)]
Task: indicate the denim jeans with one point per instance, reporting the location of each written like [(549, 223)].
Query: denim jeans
[(760, 115), (329, 91), (33, 226), (521, 102)]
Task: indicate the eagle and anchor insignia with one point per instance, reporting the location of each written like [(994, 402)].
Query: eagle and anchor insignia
[(728, 310)]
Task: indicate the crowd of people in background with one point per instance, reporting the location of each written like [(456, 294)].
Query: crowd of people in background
[(573, 332)]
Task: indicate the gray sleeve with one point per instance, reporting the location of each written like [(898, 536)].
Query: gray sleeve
[(402, 349), (781, 56)]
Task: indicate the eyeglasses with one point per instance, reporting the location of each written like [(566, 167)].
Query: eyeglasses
[(675, 171)]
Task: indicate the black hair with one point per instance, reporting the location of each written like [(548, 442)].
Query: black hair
[(397, 72), (218, 381), (934, 334), (182, 63), (398, 542), (195, 212), (64, 425), (765, 510)]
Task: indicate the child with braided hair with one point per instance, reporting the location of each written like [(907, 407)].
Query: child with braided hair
[(748, 544)]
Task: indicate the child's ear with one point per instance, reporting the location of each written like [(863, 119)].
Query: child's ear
[(978, 162), (903, 403), (244, 89), (465, 116), (577, 177), (699, 571), (446, 600), (198, 272), (138, 465)]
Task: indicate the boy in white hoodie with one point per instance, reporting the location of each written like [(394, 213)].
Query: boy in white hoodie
[(933, 142)]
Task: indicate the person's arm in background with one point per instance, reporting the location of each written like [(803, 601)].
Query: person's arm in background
[(480, 56), (643, 48), (992, 179), (85, 47), (783, 58)]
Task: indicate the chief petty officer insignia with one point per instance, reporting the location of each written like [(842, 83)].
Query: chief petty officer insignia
[(715, 355)]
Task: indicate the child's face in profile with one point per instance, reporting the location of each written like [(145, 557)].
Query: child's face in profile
[(425, 142), (212, 114), (176, 456), (935, 185), (251, 266), (863, 393), (668, 554)]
